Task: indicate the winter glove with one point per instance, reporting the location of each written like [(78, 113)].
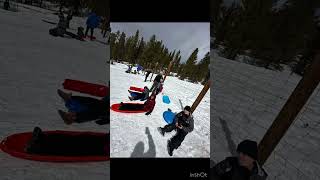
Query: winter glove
[(148, 113)]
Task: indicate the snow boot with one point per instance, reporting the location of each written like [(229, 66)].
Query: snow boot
[(63, 95), (169, 148), (65, 117), (160, 131)]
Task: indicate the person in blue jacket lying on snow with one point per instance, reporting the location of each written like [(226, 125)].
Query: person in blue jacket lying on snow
[(83, 109), (139, 96), (93, 22)]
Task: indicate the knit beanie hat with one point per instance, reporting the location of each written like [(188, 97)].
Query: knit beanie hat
[(249, 148)]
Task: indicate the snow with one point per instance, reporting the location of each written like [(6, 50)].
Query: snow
[(246, 99), (127, 133), (279, 5), (33, 65)]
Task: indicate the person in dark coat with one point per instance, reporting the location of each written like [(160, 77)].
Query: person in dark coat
[(156, 82), (92, 22), (183, 123), (148, 71), (60, 30), (83, 109), (69, 17), (242, 167), (6, 5)]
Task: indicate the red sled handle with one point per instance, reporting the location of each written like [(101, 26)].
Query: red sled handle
[(86, 87)]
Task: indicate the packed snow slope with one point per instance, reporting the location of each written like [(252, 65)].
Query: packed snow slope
[(245, 101), (33, 65), (128, 131)]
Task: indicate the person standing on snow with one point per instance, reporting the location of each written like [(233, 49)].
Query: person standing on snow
[(242, 167), (183, 123), (92, 23), (156, 82), (6, 5), (148, 71), (69, 17)]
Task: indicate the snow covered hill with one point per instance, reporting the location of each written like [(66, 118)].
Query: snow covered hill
[(33, 65), (245, 100), (128, 137)]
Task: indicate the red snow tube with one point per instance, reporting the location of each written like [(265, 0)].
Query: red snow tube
[(115, 107), (86, 87), (136, 89), (15, 144)]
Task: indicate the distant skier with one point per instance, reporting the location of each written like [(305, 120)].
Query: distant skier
[(148, 71), (92, 23), (83, 109), (6, 5), (183, 123), (242, 167), (148, 106), (140, 96)]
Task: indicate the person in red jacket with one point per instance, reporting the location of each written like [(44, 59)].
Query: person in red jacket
[(148, 106)]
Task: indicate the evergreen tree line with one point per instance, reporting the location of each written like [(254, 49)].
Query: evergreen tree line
[(271, 37), (154, 55)]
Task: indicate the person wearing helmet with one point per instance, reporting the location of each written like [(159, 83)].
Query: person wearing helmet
[(183, 123)]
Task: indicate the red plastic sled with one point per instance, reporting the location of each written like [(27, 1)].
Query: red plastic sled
[(86, 87), (136, 89), (115, 107), (15, 144)]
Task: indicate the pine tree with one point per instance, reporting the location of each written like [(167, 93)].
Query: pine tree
[(121, 46), (188, 69)]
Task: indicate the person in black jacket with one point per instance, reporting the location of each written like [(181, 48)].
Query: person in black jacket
[(183, 124), (156, 83), (242, 167), (148, 71), (6, 5)]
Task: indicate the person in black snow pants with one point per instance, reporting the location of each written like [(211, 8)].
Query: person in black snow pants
[(148, 71), (156, 82), (244, 166), (183, 123), (6, 5), (83, 109)]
